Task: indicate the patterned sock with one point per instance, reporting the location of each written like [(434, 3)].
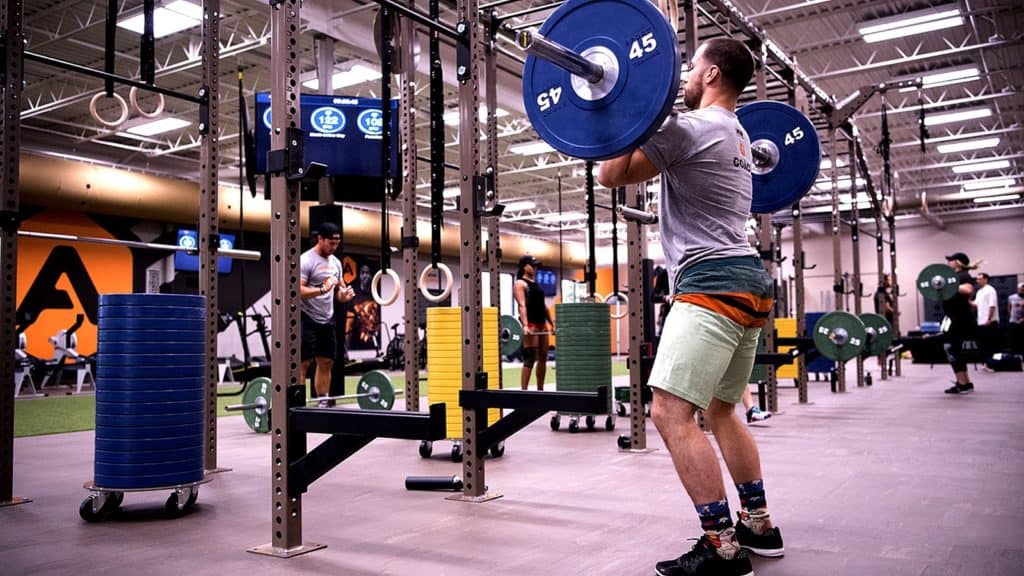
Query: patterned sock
[(714, 516), (755, 506), (752, 495)]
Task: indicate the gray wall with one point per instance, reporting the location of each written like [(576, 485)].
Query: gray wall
[(995, 237)]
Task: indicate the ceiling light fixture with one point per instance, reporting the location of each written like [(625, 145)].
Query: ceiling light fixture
[(968, 145), (957, 116), (944, 77), (358, 73), (981, 166), (158, 126), (986, 183), (520, 206), (911, 23), (174, 17), (530, 148)]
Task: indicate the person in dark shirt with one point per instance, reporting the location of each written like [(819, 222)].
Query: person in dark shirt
[(884, 300), (534, 315), (959, 322)]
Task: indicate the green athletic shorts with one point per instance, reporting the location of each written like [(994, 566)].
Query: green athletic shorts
[(703, 355)]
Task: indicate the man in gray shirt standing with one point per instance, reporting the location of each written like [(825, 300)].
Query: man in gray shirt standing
[(320, 284), (722, 298)]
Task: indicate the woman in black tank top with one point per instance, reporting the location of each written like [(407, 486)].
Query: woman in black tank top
[(534, 315)]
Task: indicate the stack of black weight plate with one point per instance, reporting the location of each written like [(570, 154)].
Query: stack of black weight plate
[(150, 380)]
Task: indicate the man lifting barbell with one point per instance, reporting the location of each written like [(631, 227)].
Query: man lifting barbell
[(722, 299), (535, 317)]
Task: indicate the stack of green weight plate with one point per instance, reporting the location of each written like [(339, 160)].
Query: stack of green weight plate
[(583, 347)]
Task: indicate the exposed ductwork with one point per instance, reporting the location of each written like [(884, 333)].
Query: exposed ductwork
[(927, 215), (60, 184)]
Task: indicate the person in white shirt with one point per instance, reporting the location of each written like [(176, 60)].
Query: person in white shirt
[(986, 302)]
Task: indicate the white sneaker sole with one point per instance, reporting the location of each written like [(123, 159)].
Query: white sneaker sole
[(766, 552)]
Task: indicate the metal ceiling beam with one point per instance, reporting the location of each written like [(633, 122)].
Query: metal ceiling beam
[(916, 58), (964, 136)]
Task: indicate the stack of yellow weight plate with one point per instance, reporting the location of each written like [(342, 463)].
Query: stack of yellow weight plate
[(786, 328), (444, 361)]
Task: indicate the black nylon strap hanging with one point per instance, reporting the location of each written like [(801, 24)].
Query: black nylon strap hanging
[(147, 45), (110, 39), (386, 56), (883, 149), (436, 138), (615, 238), (591, 224)]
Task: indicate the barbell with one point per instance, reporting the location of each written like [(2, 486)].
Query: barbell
[(938, 282), (375, 393), (510, 334), (601, 76)]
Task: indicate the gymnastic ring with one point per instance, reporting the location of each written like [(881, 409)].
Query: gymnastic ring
[(375, 287), (96, 114), (619, 296), (447, 272), (134, 99)]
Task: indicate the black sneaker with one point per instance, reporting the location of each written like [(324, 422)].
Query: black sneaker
[(703, 560), (960, 388), (768, 544)]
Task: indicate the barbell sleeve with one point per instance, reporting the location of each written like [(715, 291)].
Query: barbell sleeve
[(242, 407), (761, 155), (641, 216), (534, 44)]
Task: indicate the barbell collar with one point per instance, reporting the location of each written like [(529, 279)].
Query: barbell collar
[(535, 44), (634, 215)]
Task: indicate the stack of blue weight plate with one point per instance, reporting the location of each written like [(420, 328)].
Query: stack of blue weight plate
[(150, 380)]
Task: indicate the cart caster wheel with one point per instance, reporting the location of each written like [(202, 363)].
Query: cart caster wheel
[(117, 498), (623, 441), (456, 452), (867, 379), (620, 409), (175, 507), (426, 448), (498, 450), (556, 423), (591, 422), (87, 512), (574, 425), (609, 423)]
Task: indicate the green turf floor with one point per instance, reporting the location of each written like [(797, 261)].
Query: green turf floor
[(59, 414)]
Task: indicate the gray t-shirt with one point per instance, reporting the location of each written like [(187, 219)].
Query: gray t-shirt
[(1016, 308), (314, 269), (706, 187)]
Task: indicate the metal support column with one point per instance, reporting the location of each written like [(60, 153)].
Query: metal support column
[(469, 54), (209, 224), (883, 361), (410, 238), (891, 219), (491, 161), (837, 254), (636, 253), (767, 243), (13, 39), (799, 265), (857, 287), (285, 231)]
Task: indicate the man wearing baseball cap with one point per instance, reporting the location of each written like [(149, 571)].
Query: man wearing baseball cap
[(959, 322)]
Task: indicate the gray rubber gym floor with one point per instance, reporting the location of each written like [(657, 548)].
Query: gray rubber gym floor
[(890, 480)]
